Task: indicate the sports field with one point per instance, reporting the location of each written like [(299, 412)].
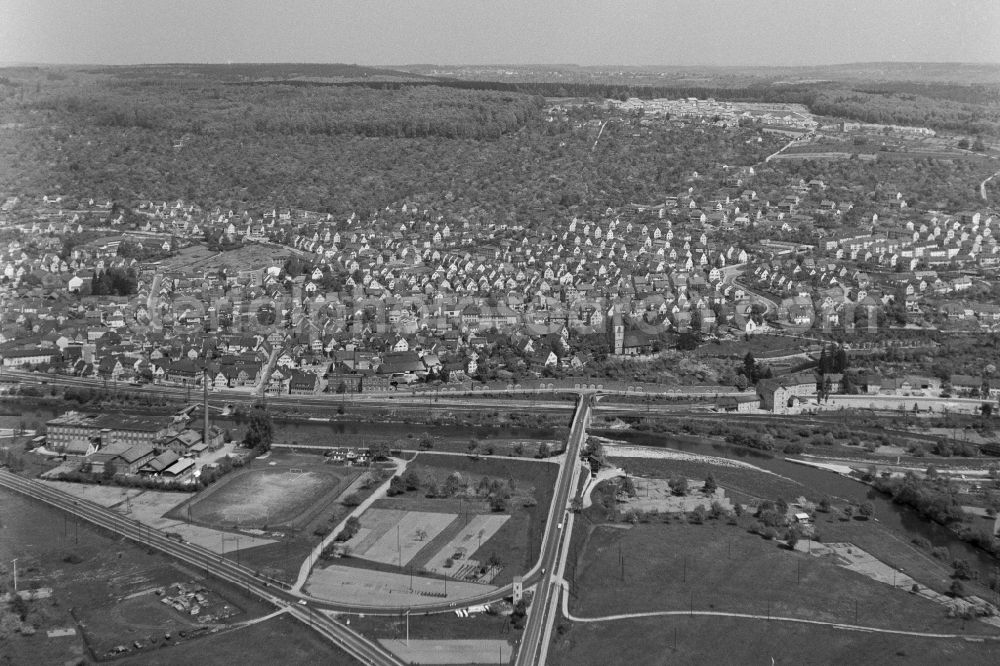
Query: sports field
[(266, 497)]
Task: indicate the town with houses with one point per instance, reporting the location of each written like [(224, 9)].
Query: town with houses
[(537, 372), (414, 296)]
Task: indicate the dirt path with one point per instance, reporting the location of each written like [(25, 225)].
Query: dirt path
[(982, 186), (379, 493), (769, 618)]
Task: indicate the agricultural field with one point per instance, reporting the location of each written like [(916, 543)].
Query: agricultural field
[(476, 521), (516, 528), (268, 497), (247, 257), (445, 543)]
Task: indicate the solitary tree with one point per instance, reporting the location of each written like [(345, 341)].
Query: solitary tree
[(411, 479), (866, 510), (710, 485), (627, 486), (396, 486), (380, 450), (750, 367), (678, 485), (260, 430)]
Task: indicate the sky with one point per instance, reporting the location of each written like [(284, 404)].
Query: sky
[(454, 32)]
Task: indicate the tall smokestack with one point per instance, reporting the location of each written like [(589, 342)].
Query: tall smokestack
[(204, 436)]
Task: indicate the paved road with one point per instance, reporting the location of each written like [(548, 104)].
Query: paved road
[(360, 648), (547, 591)]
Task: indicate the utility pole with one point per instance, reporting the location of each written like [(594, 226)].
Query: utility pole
[(15, 574)]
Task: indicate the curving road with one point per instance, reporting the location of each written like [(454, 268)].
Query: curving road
[(982, 186)]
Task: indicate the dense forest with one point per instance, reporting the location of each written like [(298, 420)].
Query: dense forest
[(292, 109), (348, 149)]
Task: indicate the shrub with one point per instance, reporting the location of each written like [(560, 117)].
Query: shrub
[(351, 528), (354, 499)]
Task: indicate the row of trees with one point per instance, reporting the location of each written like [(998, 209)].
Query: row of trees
[(496, 491), (115, 282)]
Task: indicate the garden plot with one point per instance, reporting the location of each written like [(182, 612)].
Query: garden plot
[(375, 523), (459, 551), (656, 495), (399, 536)]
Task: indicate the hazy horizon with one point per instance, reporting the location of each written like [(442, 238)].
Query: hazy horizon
[(381, 33)]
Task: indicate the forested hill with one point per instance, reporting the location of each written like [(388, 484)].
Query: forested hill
[(259, 72), (410, 111), (480, 154), (968, 109)]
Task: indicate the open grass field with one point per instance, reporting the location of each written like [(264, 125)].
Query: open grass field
[(451, 651), (896, 551), (268, 497), (437, 625), (760, 345), (373, 587), (721, 567), (717, 640), (141, 618), (90, 572)]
